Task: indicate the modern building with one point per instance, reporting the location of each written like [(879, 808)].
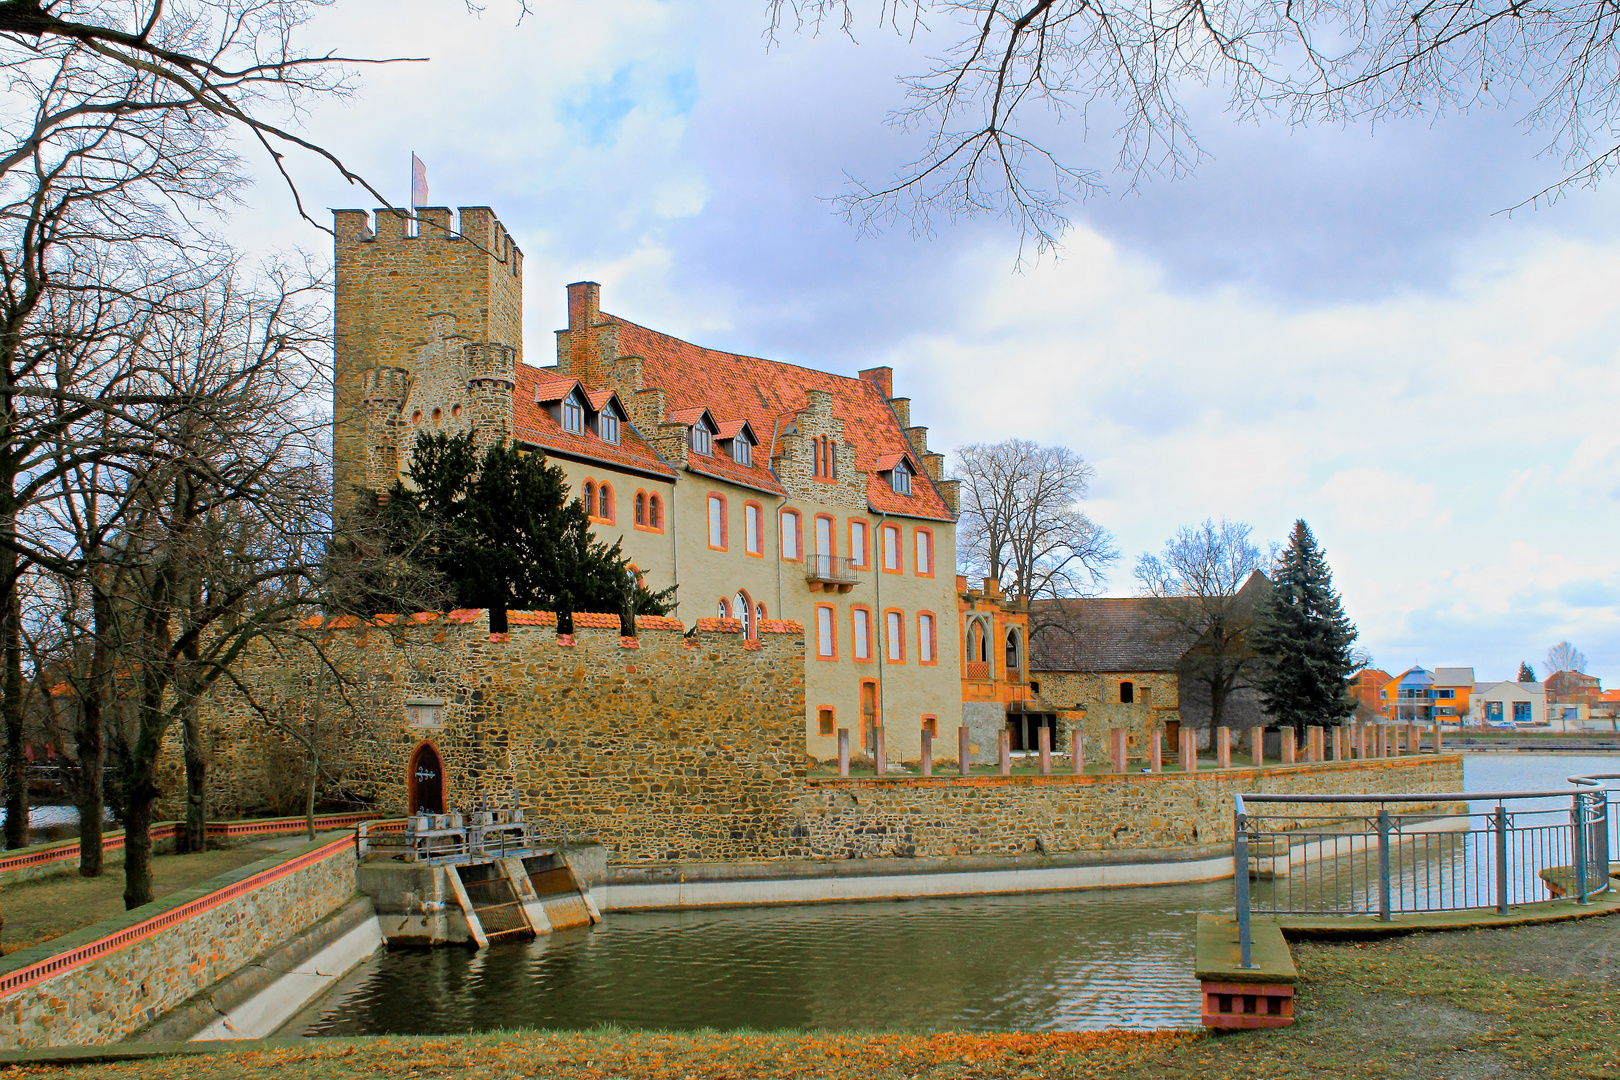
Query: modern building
[(1409, 697), (1509, 702)]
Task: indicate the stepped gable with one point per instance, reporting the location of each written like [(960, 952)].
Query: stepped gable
[(769, 394), (531, 423)]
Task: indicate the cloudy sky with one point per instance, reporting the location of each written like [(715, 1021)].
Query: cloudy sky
[(1334, 324)]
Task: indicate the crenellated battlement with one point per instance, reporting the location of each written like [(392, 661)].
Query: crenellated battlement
[(407, 282), (385, 385)]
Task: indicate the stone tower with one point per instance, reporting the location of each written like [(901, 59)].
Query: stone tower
[(388, 283)]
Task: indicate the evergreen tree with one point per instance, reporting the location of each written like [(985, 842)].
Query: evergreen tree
[(1526, 672), (500, 532), (1305, 638)]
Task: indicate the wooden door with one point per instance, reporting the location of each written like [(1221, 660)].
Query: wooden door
[(424, 781)]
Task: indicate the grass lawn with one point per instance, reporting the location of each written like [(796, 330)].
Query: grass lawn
[(948, 769), (48, 907)]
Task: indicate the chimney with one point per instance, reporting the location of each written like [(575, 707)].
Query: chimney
[(882, 378), (584, 311), (584, 304)]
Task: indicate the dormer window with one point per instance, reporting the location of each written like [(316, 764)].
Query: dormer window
[(607, 426), (573, 415), (900, 478), (742, 451), (701, 443)]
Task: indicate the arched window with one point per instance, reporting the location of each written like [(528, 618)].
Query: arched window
[(759, 617), (438, 414), (590, 498), (745, 611), (724, 612), (975, 642), (604, 502), (1014, 667), (1127, 692), (641, 508), (655, 512)]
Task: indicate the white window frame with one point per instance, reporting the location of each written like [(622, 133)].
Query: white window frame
[(861, 634), (717, 522), (894, 637), (922, 561), (900, 478), (925, 638), (607, 427), (573, 415), (701, 441), (741, 452), (790, 536), (826, 632), (753, 529), (894, 563)]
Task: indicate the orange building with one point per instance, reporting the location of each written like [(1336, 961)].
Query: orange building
[(1366, 687), (997, 694)]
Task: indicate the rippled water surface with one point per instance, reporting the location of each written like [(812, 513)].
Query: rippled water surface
[(1060, 961)]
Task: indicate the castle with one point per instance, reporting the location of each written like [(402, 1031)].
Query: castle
[(763, 490)]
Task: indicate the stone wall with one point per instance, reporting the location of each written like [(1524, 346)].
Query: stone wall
[(900, 817), (667, 746), (113, 978)]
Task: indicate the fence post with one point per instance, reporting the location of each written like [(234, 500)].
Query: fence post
[(927, 757), (1580, 847), (1078, 750), (843, 751), (880, 756), (1240, 879), (1044, 740), (1383, 864), (1004, 752), (1500, 819), (964, 755)]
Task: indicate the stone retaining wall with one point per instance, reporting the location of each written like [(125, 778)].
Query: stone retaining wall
[(890, 817), (99, 984)]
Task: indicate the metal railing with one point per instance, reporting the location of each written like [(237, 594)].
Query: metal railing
[(830, 568), (1397, 854)]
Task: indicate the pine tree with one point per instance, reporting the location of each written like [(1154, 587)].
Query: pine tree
[(500, 532), (1305, 638), (1526, 672)]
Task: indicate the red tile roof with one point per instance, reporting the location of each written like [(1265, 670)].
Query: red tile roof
[(533, 424), (720, 466), (769, 394)]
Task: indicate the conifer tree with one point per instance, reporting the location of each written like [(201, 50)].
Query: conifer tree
[(1305, 638), (1526, 672), (500, 532)]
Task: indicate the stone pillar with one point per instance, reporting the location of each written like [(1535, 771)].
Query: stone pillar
[(1257, 736), (927, 761), (1285, 740), (964, 759), (1004, 752), (1077, 747), (1439, 740), (1189, 750), (1313, 744), (880, 758), (1223, 748), (1046, 750), (843, 751), (1414, 740), (1116, 749), (1156, 749)]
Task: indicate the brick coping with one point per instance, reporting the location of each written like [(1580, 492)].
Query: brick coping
[(117, 933), (113, 839)]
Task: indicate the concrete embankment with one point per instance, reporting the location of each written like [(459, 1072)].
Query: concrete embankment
[(104, 982)]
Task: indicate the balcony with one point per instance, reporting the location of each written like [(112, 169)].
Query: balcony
[(829, 572)]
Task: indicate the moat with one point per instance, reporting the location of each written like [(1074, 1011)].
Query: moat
[(1060, 961)]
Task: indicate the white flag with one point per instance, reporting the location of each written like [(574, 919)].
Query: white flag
[(419, 188)]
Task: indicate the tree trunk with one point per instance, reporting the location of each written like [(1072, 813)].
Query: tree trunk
[(92, 751), (195, 835), (11, 700), (309, 792), (138, 847)]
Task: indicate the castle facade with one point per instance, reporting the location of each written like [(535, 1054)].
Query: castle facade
[(762, 490)]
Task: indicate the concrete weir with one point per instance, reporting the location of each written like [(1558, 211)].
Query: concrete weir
[(479, 900)]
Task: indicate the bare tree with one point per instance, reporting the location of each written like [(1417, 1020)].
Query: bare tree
[(1021, 521), (1564, 657), (1201, 583), (990, 103)]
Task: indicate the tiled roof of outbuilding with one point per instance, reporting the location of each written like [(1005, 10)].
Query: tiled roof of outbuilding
[(769, 394), (1104, 634)]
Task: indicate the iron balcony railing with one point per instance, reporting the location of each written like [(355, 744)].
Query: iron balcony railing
[(1478, 850), (829, 570)]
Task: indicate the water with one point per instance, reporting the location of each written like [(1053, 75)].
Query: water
[(48, 823), (1060, 961)]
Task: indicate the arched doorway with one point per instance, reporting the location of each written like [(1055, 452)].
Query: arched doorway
[(424, 781)]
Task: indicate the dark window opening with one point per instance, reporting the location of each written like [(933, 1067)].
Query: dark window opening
[(1127, 693)]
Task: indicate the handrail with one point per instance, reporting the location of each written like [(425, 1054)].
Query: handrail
[(1425, 796)]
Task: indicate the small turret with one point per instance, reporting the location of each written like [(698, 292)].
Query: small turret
[(491, 378), (383, 392)]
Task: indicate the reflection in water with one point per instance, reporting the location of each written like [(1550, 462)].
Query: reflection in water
[(48, 823), (1070, 961), (1064, 961)]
